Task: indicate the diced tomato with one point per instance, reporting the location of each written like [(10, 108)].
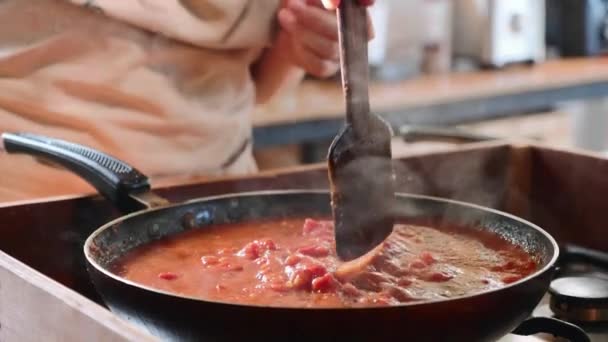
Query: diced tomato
[(314, 251), (255, 249), (324, 283), (292, 260), (316, 270), (418, 264), (301, 279), (427, 258), (310, 226), (439, 277), (167, 276), (511, 279), (530, 266), (269, 245), (210, 260), (251, 250), (404, 282)]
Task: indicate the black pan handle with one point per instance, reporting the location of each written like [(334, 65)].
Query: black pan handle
[(553, 326), (112, 178)]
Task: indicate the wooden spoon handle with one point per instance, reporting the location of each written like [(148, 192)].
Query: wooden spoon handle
[(353, 34)]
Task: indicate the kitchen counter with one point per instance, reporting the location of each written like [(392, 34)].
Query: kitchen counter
[(313, 111)]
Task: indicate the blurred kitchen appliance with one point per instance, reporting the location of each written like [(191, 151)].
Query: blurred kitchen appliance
[(577, 27), (436, 36), (498, 32), (412, 37), (392, 54)]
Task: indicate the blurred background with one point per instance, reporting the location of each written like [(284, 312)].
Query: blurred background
[(507, 69)]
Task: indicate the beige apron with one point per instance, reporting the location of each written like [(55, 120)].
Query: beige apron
[(163, 84)]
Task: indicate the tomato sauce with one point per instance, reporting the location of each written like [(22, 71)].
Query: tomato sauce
[(292, 263)]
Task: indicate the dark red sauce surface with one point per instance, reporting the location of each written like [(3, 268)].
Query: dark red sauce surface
[(291, 263)]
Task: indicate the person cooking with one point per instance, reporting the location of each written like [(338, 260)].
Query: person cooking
[(167, 86)]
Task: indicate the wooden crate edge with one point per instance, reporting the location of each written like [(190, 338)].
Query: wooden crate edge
[(33, 306)]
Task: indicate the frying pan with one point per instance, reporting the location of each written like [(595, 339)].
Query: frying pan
[(480, 317)]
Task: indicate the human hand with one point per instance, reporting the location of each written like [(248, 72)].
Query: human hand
[(310, 35), (333, 4)]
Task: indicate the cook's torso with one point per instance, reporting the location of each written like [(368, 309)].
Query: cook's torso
[(171, 109)]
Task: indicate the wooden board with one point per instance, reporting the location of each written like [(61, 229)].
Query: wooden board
[(35, 308)]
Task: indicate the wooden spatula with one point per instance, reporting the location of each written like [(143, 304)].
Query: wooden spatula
[(360, 168)]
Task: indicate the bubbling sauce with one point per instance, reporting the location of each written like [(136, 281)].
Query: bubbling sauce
[(292, 263)]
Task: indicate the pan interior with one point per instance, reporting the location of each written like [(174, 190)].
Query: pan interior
[(119, 237)]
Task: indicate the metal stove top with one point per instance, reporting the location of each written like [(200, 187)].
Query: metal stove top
[(574, 262)]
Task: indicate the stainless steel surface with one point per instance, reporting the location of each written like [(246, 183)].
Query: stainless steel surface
[(580, 287), (497, 33), (580, 299), (590, 281)]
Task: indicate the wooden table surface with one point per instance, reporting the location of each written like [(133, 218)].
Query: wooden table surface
[(322, 100)]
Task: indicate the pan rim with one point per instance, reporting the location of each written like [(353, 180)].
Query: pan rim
[(91, 261)]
